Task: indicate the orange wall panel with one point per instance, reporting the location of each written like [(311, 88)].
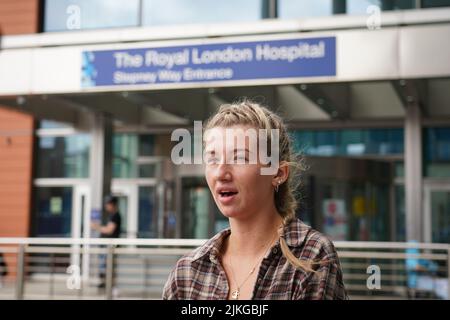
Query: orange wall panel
[(19, 17), (16, 161), (16, 136)]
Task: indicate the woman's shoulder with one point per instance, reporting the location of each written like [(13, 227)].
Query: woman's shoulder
[(207, 250), (309, 239)]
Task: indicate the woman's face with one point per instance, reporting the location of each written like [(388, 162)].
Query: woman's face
[(239, 189)]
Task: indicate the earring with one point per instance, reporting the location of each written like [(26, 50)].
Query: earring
[(276, 187)]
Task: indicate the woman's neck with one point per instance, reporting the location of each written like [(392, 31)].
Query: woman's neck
[(251, 236)]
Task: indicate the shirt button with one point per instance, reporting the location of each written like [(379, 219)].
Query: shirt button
[(275, 250), (259, 280)]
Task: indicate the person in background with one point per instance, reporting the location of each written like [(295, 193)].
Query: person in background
[(3, 269), (112, 229), (420, 273)]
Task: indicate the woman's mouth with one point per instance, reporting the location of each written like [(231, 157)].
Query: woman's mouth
[(226, 197)]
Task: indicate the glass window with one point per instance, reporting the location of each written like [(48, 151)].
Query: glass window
[(332, 212), (440, 216), (63, 157), (123, 211), (353, 210), (292, 9), (435, 3), (303, 141), (125, 151), (349, 142), (146, 145), (352, 142), (127, 148), (147, 215), (386, 141), (200, 199), (326, 143), (53, 212), (63, 15), (164, 12), (150, 170), (170, 216), (399, 169), (48, 124), (378, 210), (197, 202), (436, 148), (400, 216), (360, 6)]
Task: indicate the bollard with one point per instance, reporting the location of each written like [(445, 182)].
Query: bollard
[(109, 271), (20, 272), (448, 273)]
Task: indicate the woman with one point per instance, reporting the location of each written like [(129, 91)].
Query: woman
[(267, 253)]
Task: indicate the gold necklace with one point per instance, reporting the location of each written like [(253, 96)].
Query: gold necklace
[(236, 293)]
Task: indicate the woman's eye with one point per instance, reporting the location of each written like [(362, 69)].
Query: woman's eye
[(211, 160), (241, 158)]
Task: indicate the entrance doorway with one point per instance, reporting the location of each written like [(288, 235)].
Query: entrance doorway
[(437, 212)]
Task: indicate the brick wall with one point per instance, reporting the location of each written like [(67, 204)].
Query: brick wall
[(16, 160), (16, 133), (19, 16)]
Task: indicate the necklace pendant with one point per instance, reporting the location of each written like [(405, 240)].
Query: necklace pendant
[(235, 294)]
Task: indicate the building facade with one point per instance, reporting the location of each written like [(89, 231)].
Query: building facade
[(91, 92), (16, 134)]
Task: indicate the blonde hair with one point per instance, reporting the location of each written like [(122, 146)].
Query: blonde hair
[(252, 114)]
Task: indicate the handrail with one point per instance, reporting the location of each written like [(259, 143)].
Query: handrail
[(145, 263), (104, 241), (391, 245), (199, 242)]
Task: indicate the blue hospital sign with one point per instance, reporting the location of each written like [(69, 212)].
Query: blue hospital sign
[(234, 61)]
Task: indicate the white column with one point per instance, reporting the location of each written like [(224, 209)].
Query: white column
[(413, 173), (100, 159)]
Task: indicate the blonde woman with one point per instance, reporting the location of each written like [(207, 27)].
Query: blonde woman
[(267, 253)]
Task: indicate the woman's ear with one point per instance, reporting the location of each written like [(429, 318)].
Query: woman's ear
[(282, 174)]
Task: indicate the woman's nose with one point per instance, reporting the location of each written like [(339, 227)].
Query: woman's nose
[(223, 171)]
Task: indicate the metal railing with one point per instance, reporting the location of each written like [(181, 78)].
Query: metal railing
[(63, 268)]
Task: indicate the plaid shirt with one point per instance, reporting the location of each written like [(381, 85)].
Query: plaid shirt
[(200, 276)]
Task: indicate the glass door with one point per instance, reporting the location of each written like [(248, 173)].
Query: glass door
[(149, 225), (127, 195), (52, 218), (81, 220), (437, 213), (62, 209), (142, 206), (53, 211), (201, 218)]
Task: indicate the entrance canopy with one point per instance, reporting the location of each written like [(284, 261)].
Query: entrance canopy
[(301, 104)]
